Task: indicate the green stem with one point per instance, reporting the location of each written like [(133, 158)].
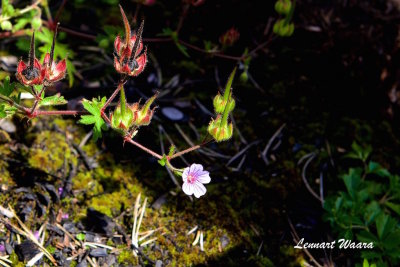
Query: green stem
[(22, 11), (122, 101)]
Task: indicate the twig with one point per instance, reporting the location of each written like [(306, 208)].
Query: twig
[(303, 175), (241, 152), (296, 240), (271, 140)]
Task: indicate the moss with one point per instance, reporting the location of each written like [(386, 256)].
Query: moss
[(5, 177), (126, 257), (49, 152)]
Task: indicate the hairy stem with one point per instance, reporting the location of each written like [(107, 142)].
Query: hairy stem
[(190, 149), (58, 112), (38, 98), (12, 103), (151, 152)]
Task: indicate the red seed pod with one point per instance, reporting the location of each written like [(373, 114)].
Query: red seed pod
[(54, 72), (130, 56), (229, 37), (33, 73)]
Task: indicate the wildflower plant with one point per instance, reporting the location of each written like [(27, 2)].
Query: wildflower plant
[(130, 58)]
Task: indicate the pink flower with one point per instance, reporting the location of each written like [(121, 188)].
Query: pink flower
[(193, 179)]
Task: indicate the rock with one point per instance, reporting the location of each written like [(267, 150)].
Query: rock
[(111, 260), (98, 252), (159, 202), (99, 222), (82, 264), (172, 113), (8, 126), (224, 241), (8, 248), (70, 227), (26, 250)]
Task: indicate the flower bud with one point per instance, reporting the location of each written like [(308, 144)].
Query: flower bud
[(229, 37), (282, 28), (6, 25), (36, 23), (283, 7), (220, 104), (122, 119), (144, 115), (220, 129)]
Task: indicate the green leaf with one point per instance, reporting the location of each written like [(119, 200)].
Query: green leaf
[(3, 113), (365, 263), (7, 10), (80, 236), (163, 161), (7, 87), (376, 168), (94, 108), (171, 150), (385, 225), (371, 212), (352, 181), (56, 99), (360, 152), (393, 206), (182, 48)]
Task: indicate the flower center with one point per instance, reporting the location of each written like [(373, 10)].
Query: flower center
[(191, 178)]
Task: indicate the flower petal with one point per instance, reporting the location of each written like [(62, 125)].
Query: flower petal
[(196, 168), (37, 64), (142, 63), (61, 67), (204, 177), (117, 44), (199, 189), (21, 66), (188, 189), (185, 174), (46, 59)]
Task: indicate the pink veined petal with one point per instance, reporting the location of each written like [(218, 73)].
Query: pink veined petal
[(195, 168), (204, 177), (185, 174), (188, 189), (117, 44), (37, 64), (142, 63), (199, 189), (46, 59), (21, 66), (61, 66)]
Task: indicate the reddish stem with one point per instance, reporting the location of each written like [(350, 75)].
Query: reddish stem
[(184, 152), (151, 152), (58, 112), (120, 84)]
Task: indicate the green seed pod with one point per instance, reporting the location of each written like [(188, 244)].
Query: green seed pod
[(6, 25), (286, 30), (220, 104), (277, 27), (244, 77), (119, 121), (283, 7), (219, 129), (36, 23)]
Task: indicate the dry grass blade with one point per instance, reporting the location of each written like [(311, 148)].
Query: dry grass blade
[(4, 260), (28, 234), (271, 140)]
